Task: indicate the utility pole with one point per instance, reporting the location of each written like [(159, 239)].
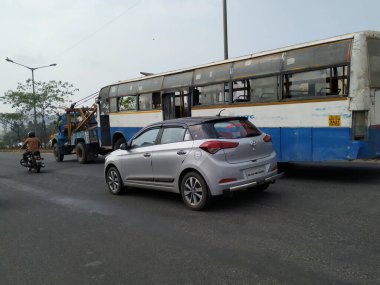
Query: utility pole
[(225, 29), (230, 86)]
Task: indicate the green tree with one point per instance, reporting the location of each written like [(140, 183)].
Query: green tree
[(50, 96), (15, 122)]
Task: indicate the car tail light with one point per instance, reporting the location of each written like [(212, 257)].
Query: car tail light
[(214, 146), (267, 138), (226, 180)]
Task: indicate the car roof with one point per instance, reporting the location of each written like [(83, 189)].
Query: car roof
[(189, 121)]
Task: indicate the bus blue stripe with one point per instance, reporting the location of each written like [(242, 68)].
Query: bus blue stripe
[(321, 144), (309, 144)]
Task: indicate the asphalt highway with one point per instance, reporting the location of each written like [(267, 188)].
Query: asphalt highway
[(318, 225)]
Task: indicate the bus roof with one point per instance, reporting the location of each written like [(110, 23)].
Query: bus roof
[(368, 33)]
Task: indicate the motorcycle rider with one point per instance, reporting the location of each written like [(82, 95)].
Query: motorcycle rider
[(32, 144)]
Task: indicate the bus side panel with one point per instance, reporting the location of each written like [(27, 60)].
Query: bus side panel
[(315, 144), (296, 144), (127, 132), (291, 144), (332, 144), (374, 136)]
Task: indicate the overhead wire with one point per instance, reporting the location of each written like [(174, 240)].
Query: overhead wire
[(99, 29), (93, 95), (85, 99)]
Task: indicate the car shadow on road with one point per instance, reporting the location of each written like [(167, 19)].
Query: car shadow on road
[(219, 203)]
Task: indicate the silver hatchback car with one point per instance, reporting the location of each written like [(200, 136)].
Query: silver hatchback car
[(198, 157)]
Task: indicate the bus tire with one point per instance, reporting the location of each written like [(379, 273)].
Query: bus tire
[(118, 143), (57, 153), (81, 152)]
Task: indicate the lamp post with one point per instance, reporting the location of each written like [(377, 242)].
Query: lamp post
[(225, 29), (34, 94), (225, 37)]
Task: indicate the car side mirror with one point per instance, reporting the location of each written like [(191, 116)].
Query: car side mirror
[(126, 146)]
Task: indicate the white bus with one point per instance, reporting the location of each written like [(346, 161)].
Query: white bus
[(319, 101)]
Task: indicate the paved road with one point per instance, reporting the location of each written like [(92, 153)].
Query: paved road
[(318, 225)]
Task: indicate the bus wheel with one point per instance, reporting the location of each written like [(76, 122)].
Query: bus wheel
[(81, 152), (118, 143), (57, 153)]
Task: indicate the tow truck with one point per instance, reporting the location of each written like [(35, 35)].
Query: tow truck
[(77, 134)]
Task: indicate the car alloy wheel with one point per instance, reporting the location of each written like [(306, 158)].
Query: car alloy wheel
[(194, 191), (114, 182)]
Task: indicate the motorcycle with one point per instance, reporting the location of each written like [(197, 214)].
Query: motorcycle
[(33, 161)]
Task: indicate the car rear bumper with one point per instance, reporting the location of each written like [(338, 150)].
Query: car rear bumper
[(270, 179)]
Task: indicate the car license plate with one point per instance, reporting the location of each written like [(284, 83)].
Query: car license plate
[(254, 172)]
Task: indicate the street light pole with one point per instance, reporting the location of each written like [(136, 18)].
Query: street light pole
[(225, 36), (225, 29), (34, 93)]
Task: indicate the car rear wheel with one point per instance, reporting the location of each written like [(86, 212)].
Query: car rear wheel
[(194, 191), (114, 182)]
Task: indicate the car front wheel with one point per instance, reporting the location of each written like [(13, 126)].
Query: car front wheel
[(114, 182), (194, 191)]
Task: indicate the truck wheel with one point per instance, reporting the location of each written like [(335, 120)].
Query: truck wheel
[(81, 152), (57, 153)]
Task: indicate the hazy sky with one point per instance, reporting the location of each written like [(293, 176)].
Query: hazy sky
[(98, 42)]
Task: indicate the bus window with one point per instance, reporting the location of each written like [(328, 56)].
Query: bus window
[(156, 100), (212, 94), (145, 101), (322, 82), (241, 91), (127, 103), (113, 105), (374, 62), (104, 106), (264, 89), (150, 101)]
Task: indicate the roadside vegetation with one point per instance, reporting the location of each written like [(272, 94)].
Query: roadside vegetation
[(50, 98)]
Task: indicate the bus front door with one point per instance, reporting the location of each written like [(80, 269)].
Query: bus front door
[(176, 105), (105, 135)]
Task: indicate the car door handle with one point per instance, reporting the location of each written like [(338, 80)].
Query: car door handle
[(147, 154), (181, 152)]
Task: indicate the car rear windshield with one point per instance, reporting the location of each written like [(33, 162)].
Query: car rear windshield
[(225, 129)]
